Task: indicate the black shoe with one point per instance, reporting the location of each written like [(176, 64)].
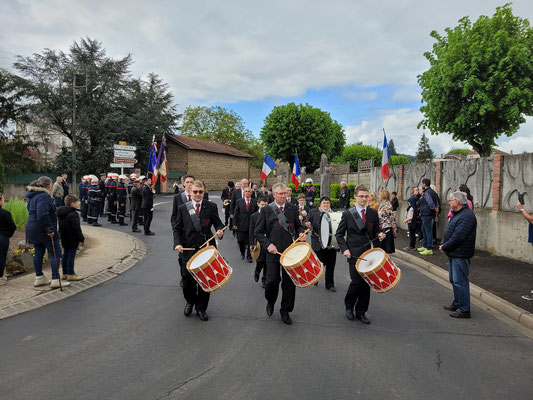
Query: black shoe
[(250, 260), (363, 318), (96, 224), (460, 314), (136, 230), (242, 256), (285, 317), (122, 224), (270, 309), (256, 276), (332, 289), (149, 233), (114, 222), (188, 309), (450, 308), (349, 315), (181, 282), (202, 315)]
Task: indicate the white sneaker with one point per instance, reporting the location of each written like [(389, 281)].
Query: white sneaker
[(3, 280), (55, 283), (40, 281)]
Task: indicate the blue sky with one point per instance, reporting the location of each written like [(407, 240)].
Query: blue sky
[(357, 60)]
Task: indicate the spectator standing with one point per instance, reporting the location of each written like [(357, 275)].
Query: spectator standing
[(344, 197), (387, 222), (373, 203), (470, 200), (66, 187), (310, 193), (7, 229), (529, 218), (459, 244), (429, 209), (411, 226), (394, 201), (147, 206), (70, 234), (136, 200), (57, 192)]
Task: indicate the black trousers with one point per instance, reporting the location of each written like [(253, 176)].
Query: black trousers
[(261, 266), (84, 207), (276, 274), (148, 214), (328, 257), (192, 291), (412, 234), (4, 247), (135, 219), (358, 294), (242, 239)]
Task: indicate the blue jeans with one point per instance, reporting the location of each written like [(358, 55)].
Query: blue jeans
[(68, 260), (39, 254), (458, 270), (427, 230)]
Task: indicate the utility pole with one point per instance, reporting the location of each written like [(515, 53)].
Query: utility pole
[(74, 87)]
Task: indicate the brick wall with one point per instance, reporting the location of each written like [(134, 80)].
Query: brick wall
[(496, 182), (177, 157), (215, 170)]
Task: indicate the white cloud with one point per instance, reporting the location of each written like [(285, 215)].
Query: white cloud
[(405, 94)]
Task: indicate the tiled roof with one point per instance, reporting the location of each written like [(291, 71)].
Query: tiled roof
[(205, 145)]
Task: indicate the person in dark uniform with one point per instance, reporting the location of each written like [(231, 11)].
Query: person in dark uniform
[(186, 236), (261, 260), (244, 208), (358, 226), (310, 193), (102, 183), (226, 200), (276, 230), (122, 197), (237, 194), (136, 200), (111, 194), (84, 196), (344, 197), (147, 205), (96, 197), (327, 256)]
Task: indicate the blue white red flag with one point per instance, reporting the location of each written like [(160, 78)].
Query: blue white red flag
[(162, 166), (385, 158), (152, 160), (268, 166), (296, 172)]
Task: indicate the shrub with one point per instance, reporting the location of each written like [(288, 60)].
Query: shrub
[(19, 211), (333, 201)]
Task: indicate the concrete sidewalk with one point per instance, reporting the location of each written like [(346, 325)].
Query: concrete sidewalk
[(106, 254)]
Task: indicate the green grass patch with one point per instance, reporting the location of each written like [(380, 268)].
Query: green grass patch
[(19, 211)]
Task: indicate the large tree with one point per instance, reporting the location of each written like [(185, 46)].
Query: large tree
[(224, 126), (304, 129), (424, 153), (480, 81)]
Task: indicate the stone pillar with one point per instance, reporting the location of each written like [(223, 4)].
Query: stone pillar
[(496, 182), (438, 178), (325, 176), (400, 182)]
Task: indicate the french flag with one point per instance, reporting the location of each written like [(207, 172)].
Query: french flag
[(268, 166), (296, 172), (385, 158)]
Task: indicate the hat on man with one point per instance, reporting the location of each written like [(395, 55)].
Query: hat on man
[(133, 176), (308, 180), (94, 180)]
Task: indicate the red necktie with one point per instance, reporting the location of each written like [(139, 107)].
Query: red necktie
[(247, 205), (189, 197), (198, 208), (281, 208), (363, 213)]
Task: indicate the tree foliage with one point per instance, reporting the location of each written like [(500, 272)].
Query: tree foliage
[(220, 125), (355, 152), (480, 81), (392, 148), (464, 152), (424, 153), (304, 129), (399, 160)]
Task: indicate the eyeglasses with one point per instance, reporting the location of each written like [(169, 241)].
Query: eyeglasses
[(363, 196), (198, 192)]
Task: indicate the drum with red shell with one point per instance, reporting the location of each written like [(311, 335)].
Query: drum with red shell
[(302, 264), (378, 270), (209, 269)]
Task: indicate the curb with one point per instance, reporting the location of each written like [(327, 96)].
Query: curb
[(79, 286), (515, 313)]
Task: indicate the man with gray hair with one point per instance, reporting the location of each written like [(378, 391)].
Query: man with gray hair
[(344, 197), (459, 244)]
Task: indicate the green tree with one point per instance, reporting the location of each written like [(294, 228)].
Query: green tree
[(424, 153), (220, 125), (399, 160), (392, 148), (304, 129), (355, 152), (480, 81)]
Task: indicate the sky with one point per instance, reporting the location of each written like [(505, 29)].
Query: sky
[(358, 60)]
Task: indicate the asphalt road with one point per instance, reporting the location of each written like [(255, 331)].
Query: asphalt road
[(129, 339)]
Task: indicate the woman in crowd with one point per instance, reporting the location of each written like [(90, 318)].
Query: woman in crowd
[(373, 203), (387, 222), (469, 199)]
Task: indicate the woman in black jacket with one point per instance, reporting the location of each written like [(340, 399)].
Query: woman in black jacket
[(7, 229), (70, 234)]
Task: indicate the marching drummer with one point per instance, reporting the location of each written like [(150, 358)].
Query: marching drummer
[(327, 256), (276, 230), (359, 226), (192, 227)]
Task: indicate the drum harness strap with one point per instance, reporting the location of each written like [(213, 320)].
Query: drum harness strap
[(359, 223), (195, 218), (281, 217)]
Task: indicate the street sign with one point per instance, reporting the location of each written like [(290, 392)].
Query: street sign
[(125, 160), (121, 165), (124, 147), (124, 154)]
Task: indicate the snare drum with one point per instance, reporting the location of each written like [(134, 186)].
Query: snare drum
[(328, 226), (302, 265), (209, 269), (379, 271)]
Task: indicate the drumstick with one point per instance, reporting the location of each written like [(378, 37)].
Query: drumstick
[(188, 248), (304, 233), (377, 237), (212, 237)]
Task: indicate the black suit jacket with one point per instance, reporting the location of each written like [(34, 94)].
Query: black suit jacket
[(241, 217), (236, 194), (183, 228), (269, 230), (147, 198), (293, 201), (344, 198), (349, 237), (315, 216), (179, 199)]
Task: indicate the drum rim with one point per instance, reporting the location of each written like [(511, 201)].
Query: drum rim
[(203, 266), (252, 252), (379, 266), (292, 266)]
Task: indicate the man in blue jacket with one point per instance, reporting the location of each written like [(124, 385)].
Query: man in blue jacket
[(429, 213), (459, 244)]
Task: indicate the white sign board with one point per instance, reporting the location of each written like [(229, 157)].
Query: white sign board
[(114, 165), (124, 154), (124, 147)]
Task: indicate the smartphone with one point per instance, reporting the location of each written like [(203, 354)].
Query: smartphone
[(521, 198)]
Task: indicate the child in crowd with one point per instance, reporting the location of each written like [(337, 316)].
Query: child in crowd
[(411, 225), (70, 234)]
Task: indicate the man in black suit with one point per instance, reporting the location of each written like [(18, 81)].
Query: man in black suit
[(276, 229), (244, 208), (147, 206), (360, 225), (344, 197), (238, 193), (188, 234), (327, 256), (226, 200), (290, 199), (262, 201)]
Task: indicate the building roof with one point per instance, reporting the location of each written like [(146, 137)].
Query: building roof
[(205, 145)]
